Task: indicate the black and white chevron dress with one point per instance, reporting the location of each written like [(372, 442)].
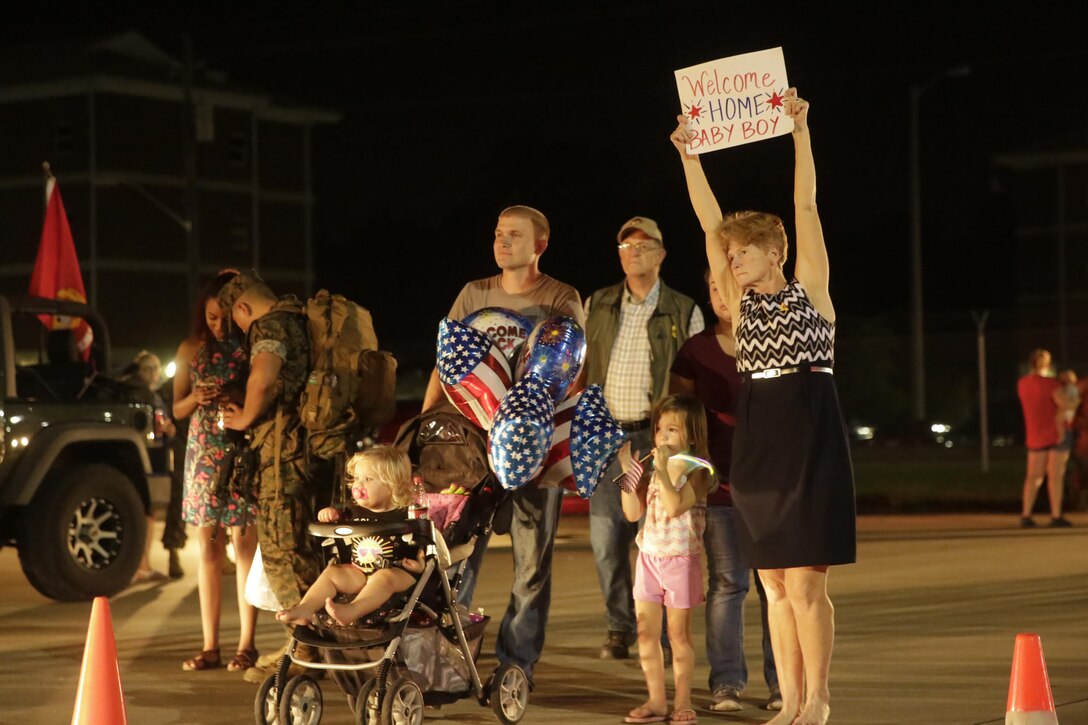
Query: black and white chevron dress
[(791, 476)]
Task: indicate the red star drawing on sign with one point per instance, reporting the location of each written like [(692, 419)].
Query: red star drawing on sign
[(775, 100), (695, 112)]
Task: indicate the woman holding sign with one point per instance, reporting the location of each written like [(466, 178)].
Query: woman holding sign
[(791, 477)]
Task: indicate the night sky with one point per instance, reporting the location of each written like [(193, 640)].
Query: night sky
[(454, 110)]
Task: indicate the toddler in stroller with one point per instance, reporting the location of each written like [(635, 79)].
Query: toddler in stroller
[(415, 649), (381, 487)]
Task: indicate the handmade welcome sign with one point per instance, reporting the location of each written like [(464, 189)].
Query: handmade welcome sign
[(735, 100)]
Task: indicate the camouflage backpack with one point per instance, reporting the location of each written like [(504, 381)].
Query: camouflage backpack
[(352, 384)]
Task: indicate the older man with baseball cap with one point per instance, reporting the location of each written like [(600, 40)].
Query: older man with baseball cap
[(633, 331)]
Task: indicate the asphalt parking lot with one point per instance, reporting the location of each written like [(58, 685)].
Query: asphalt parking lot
[(926, 623)]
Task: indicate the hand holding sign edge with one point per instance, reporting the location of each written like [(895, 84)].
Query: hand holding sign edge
[(797, 110), (682, 136)]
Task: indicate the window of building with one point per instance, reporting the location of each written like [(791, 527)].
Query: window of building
[(238, 234), (238, 150), (63, 139)]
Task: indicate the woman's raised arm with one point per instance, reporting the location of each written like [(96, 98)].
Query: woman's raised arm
[(708, 212), (812, 269)]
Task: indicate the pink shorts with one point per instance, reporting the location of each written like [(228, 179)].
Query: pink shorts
[(675, 581)]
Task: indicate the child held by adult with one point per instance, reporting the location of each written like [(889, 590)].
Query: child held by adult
[(669, 571), (380, 479)]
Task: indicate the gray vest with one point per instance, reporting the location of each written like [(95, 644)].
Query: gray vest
[(667, 329)]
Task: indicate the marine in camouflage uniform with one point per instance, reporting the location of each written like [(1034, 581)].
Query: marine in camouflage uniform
[(285, 496), (285, 489)]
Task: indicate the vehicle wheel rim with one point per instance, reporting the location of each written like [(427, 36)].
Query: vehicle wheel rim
[(407, 706), (513, 694), (306, 704), (95, 534)]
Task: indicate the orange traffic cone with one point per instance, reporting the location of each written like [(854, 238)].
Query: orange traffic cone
[(1030, 700), (99, 700)]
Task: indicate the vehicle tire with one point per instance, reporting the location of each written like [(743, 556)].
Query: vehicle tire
[(403, 703), (266, 706), (368, 713), (83, 533), (509, 693), (301, 703)]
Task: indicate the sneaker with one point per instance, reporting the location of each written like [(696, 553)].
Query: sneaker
[(615, 646), (774, 702), (1060, 523), (726, 699), (1026, 522)]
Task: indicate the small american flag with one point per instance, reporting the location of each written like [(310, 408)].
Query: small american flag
[(595, 438), (474, 373), (629, 481), (522, 432)]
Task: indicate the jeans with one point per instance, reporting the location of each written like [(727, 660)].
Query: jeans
[(611, 536), (533, 523), (728, 584)]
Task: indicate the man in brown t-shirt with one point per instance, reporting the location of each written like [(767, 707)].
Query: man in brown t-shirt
[(521, 236)]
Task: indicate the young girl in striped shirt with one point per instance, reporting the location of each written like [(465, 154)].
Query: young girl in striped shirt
[(669, 571)]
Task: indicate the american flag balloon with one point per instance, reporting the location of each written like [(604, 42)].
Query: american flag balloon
[(595, 439), (522, 432), (554, 352), (473, 371), (556, 470)]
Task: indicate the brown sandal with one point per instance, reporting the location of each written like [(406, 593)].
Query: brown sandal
[(207, 660), (243, 660)]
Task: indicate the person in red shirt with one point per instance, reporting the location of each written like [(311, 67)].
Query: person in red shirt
[(1048, 446)]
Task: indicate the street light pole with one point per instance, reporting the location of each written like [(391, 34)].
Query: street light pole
[(918, 371), (918, 366)]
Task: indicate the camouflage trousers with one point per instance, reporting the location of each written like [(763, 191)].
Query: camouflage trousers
[(292, 558), (173, 532), (174, 535)]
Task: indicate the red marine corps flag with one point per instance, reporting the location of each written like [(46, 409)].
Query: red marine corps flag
[(56, 270)]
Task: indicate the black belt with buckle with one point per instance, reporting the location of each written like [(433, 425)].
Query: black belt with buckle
[(635, 426), (779, 372)]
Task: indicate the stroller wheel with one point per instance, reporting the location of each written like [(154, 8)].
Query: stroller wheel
[(509, 693), (266, 705), (301, 702), (403, 703), (367, 707)]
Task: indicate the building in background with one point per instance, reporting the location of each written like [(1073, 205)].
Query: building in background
[(1048, 192), (169, 174)]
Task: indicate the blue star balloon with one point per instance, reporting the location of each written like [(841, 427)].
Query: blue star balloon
[(595, 439), (554, 352), (521, 432)]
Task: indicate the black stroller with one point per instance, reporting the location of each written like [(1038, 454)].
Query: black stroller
[(420, 648)]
